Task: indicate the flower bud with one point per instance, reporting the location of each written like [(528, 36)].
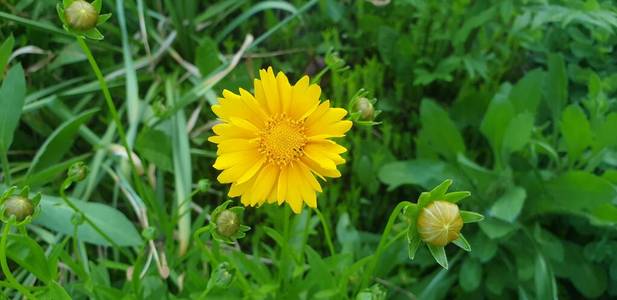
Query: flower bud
[(78, 171), (18, 206), (81, 15), (203, 185), (227, 223), (365, 108), (439, 223)]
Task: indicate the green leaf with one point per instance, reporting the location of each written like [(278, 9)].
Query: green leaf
[(509, 205), (462, 243), (97, 5), (207, 56), (5, 53), (527, 92), (439, 254), (497, 119), (59, 142), (576, 131), (578, 193), (56, 215), (556, 85), (517, 133), (414, 242), (440, 191), (425, 173), (455, 197), (605, 135), (29, 255), (94, 34), (155, 146), (12, 95), (471, 217), (546, 288), (102, 19), (55, 292), (589, 279), (495, 228), (440, 132), (470, 275)]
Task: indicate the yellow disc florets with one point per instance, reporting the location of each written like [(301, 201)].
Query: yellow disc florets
[(282, 140), (440, 223)]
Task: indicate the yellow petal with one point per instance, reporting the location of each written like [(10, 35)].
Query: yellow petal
[(271, 91), (284, 92), (314, 154), (228, 160), (264, 184), (251, 171), (281, 192)]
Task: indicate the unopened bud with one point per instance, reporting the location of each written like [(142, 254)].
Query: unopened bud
[(81, 15), (78, 171), (18, 206), (440, 223), (227, 223), (365, 108)]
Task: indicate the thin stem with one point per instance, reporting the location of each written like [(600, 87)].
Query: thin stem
[(87, 219), (6, 169), (113, 111), (5, 267), (382, 242), (326, 230)]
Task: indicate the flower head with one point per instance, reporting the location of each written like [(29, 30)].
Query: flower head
[(272, 144), (19, 208), (439, 223)]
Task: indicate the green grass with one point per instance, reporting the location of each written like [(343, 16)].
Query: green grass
[(512, 100)]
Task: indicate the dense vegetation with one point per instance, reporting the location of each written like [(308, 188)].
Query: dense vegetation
[(512, 99)]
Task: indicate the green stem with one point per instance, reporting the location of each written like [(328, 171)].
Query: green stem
[(366, 277), (326, 230), (113, 111), (87, 219), (5, 267), (6, 169)]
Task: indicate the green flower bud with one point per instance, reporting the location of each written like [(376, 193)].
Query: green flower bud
[(18, 206), (203, 185), (78, 171), (81, 15), (227, 223), (365, 108)]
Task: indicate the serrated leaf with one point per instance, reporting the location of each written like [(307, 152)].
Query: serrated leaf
[(439, 254), (462, 243), (471, 217)]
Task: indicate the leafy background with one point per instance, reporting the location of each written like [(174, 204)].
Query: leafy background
[(512, 99)]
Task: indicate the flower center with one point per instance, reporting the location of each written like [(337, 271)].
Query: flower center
[(282, 140)]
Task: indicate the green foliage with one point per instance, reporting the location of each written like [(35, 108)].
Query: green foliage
[(512, 100)]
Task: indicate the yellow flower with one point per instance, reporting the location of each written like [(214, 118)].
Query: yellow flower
[(271, 145)]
